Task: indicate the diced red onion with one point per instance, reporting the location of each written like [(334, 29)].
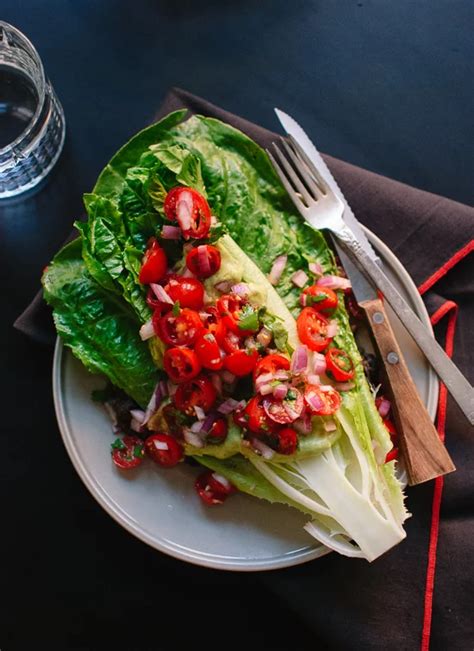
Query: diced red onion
[(303, 424), (228, 377), (330, 426), (203, 259), (263, 378), (334, 282), (264, 337), (313, 379), (147, 331), (303, 300), (277, 269), (196, 426), (228, 406), (265, 389), (192, 438), (265, 451), (281, 375), (199, 411), (314, 400), (187, 273), (299, 278), (136, 425), (315, 268), (299, 360), (318, 363), (111, 413), (280, 391), (223, 286), (170, 232), (160, 293), (184, 211), (293, 413), (160, 445), (344, 386), (208, 422), (214, 220), (332, 329), (160, 392), (384, 407), (138, 415), (222, 480), (241, 289)]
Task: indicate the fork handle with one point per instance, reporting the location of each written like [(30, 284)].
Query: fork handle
[(423, 452), (448, 372)]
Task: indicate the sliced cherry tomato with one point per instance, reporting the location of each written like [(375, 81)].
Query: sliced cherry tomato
[(127, 452), (231, 342), (204, 260), (391, 428), (240, 417), (312, 329), (287, 410), (241, 362), (287, 441), (164, 450), (393, 454), (271, 364), (230, 307), (257, 419), (190, 209), (208, 351), (180, 330), (322, 401), (339, 365), (199, 392), (181, 364), (213, 489), (188, 291), (322, 299), (214, 323), (218, 431), (154, 264)]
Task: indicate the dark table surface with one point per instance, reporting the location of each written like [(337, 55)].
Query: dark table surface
[(384, 85)]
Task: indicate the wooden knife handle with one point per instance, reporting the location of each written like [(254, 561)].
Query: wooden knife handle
[(424, 454)]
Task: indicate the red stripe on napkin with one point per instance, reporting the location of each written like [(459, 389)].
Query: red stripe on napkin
[(439, 273), (448, 308)]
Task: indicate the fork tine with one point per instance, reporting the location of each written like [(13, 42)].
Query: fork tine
[(297, 183), (311, 182), (289, 188), (304, 158)]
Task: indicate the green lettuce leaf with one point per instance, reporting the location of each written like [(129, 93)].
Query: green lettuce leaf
[(100, 329)]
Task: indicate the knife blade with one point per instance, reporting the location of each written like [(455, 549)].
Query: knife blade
[(293, 129)]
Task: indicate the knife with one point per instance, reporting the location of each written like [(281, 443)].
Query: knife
[(424, 454)]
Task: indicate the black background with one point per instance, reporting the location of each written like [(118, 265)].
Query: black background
[(384, 85)]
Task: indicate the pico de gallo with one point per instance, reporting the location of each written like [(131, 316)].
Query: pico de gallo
[(224, 363)]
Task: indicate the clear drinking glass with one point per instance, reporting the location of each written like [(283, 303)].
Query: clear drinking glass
[(32, 125)]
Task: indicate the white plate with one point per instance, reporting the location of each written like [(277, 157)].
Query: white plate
[(161, 507)]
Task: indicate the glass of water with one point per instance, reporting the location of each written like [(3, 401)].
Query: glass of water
[(32, 125)]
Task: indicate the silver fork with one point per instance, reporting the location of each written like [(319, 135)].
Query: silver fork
[(322, 209)]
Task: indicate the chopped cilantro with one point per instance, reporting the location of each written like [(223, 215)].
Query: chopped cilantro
[(249, 319), (176, 309), (138, 451), (118, 444)]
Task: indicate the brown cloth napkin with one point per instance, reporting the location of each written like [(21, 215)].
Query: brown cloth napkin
[(423, 589)]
